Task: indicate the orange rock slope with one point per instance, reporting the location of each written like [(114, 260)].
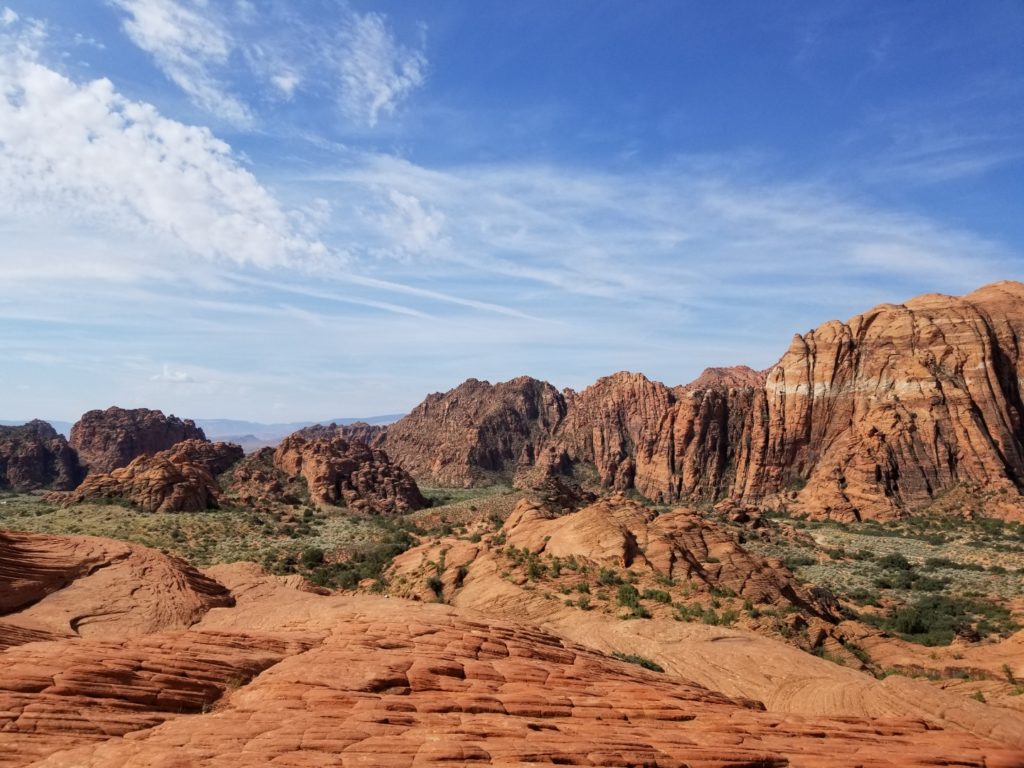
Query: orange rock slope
[(581, 565), (292, 678), (875, 417)]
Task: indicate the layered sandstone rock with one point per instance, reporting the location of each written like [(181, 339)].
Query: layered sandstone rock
[(475, 433), (107, 440), (352, 474), (180, 479), (895, 407), (35, 456), (83, 586), (294, 678), (875, 417)]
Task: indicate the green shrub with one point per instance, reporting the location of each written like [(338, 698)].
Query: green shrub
[(639, 612), (633, 658), (435, 586), (608, 578), (658, 595), (894, 561), (933, 563), (628, 596), (795, 561), (312, 557)]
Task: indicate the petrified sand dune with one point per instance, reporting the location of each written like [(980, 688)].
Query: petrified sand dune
[(82, 586), (732, 661), (292, 678)]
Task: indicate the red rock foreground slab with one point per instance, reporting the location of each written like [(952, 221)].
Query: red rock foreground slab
[(291, 678)]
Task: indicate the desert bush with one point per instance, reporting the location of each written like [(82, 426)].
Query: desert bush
[(628, 596), (658, 595), (633, 658), (608, 578), (894, 561)]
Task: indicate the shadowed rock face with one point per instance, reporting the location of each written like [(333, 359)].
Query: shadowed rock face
[(35, 456), (288, 677), (874, 417), (352, 474), (180, 479), (107, 440)]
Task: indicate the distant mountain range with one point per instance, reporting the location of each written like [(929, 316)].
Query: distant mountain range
[(251, 435)]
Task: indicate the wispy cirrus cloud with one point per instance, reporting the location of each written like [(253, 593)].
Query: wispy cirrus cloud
[(188, 42), (680, 233), (376, 71), (203, 47)]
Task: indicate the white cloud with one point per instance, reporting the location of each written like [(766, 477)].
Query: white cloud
[(171, 376), (186, 41), (286, 83), (81, 154), (8, 17), (203, 46), (412, 227), (685, 234), (376, 71)]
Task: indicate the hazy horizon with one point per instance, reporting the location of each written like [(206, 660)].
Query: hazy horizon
[(255, 211)]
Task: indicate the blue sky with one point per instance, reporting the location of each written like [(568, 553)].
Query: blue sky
[(278, 211)]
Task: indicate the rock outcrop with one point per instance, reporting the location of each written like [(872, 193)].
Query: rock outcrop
[(342, 473), (257, 482), (180, 479), (357, 431), (293, 678), (35, 456), (680, 555), (475, 433), (875, 417), (110, 439)]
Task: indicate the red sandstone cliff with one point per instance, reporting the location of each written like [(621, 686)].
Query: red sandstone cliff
[(106, 440), (870, 418)]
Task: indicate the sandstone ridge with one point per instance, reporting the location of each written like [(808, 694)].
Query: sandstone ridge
[(876, 417)]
